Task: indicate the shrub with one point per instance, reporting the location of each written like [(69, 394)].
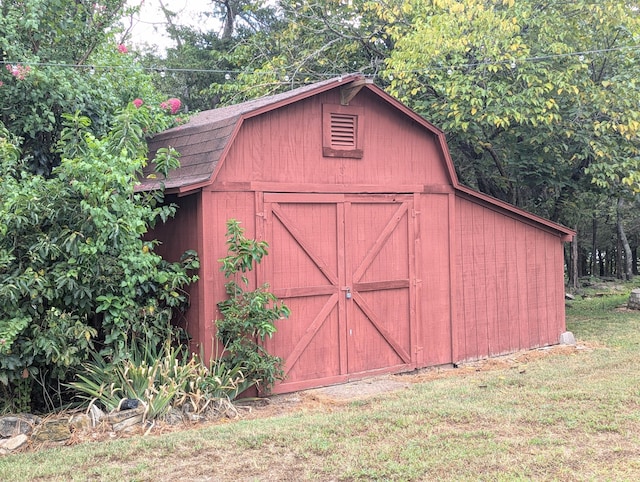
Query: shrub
[(249, 316), (76, 274)]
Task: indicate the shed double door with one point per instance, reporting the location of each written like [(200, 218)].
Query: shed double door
[(344, 264)]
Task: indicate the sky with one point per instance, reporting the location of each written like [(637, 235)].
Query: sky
[(147, 27)]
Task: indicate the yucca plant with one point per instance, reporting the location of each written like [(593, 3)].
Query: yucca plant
[(160, 379), (98, 383), (212, 388)]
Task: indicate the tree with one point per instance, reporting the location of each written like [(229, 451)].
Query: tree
[(537, 98), (529, 93), (200, 58), (311, 40)]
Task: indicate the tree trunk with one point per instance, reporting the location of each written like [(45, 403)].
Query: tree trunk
[(626, 268), (168, 15), (602, 263), (594, 247), (574, 261), (229, 19)]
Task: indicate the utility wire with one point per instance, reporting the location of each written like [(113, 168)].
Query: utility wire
[(164, 70)]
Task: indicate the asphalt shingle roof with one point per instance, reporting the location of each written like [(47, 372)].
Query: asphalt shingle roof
[(203, 140)]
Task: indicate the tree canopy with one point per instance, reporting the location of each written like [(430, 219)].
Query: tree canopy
[(532, 94)]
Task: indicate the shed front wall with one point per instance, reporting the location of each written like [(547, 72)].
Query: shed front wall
[(405, 322), (509, 284), (392, 252), (434, 250)]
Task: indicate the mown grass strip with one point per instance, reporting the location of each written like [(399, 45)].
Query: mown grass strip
[(560, 417)]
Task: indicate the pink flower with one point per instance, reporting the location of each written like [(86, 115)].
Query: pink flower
[(138, 102), (19, 71), (1, 83), (174, 104), (122, 49)]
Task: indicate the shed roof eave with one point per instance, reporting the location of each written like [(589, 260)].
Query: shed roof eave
[(565, 233)]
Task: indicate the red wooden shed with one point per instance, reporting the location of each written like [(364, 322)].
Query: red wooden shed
[(386, 261)]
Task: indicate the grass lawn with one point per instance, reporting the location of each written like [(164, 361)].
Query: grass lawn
[(564, 416)]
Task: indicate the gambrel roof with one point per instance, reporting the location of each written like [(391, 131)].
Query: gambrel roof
[(204, 141)]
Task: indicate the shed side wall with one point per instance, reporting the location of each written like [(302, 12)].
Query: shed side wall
[(177, 235), (509, 286)]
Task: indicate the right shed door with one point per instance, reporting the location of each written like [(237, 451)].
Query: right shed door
[(344, 264)]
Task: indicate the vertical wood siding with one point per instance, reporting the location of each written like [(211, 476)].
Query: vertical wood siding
[(285, 146), (434, 299), (345, 265), (178, 235), (218, 207), (509, 292)]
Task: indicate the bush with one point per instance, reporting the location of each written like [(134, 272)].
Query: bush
[(249, 316), (75, 272)]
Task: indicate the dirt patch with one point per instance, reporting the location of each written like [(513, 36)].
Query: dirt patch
[(516, 360), (358, 389)]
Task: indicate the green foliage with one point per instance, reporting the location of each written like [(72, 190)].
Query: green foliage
[(75, 272), (211, 55), (528, 96), (307, 41), (62, 57), (249, 316), (161, 379)]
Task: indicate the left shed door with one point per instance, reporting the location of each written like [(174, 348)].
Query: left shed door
[(343, 264)]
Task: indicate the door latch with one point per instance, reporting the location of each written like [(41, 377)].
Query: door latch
[(347, 290)]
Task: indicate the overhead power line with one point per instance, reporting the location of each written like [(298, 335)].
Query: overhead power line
[(93, 68)]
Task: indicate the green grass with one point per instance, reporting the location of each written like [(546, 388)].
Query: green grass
[(561, 417)]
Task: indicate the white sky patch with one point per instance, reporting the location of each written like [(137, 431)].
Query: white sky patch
[(149, 26)]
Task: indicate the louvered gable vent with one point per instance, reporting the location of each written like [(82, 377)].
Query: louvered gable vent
[(342, 131)]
